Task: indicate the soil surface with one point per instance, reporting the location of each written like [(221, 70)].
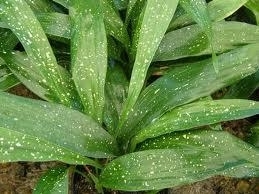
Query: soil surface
[(21, 177)]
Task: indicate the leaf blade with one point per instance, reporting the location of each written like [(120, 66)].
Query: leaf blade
[(198, 114), (155, 12), (52, 123), (89, 55), (173, 164)]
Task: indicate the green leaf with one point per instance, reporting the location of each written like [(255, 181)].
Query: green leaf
[(116, 89), (46, 131), (192, 41), (244, 88), (156, 12), (64, 3), (55, 180), (253, 5), (188, 82), (24, 70), (15, 14), (198, 114), (8, 40), (89, 55), (182, 158), (197, 9), (254, 137), (56, 24), (121, 4), (40, 5), (217, 9), (7, 78), (113, 23)]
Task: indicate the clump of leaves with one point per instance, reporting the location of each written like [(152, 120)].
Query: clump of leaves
[(127, 88)]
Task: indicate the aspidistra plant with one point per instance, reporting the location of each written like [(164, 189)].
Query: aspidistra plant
[(93, 64)]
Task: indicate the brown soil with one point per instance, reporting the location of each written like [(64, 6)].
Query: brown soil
[(21, 177)]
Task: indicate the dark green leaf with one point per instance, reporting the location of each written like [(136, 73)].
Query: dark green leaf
[(113, 23), (54, 181), (188, 82), (41, 131), (121, 4), (254, 136), (182, 158), (89, 55), (156, 12), (198, 114), (15, 14), (192, 41), (253, 5), (7, 78), (244, 88), (116, 91)]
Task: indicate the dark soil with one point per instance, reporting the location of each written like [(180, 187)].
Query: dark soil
[(21, 177)]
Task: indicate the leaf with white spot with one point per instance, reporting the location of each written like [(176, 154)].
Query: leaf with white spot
[(89, 55), (156, 12), (217, 9), (192, 41), (113, 23), (49, 131), (15, 14), (198, 114), (188, 82), (55, 180), (182, 158)]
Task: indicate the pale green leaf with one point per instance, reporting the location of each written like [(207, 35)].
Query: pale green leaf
[(54, 181), (47, 131), (182, 158), (89, 55), (253, 5)]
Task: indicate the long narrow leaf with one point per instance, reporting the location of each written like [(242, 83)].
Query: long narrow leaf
[(218, 10), (188, 82), (7, 79), (89, 55), (192, 41), (53, 125), (199, 114), (182, 158), (15, 14), (55, 180), (116, 89), (156, 12), (244, 88)]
